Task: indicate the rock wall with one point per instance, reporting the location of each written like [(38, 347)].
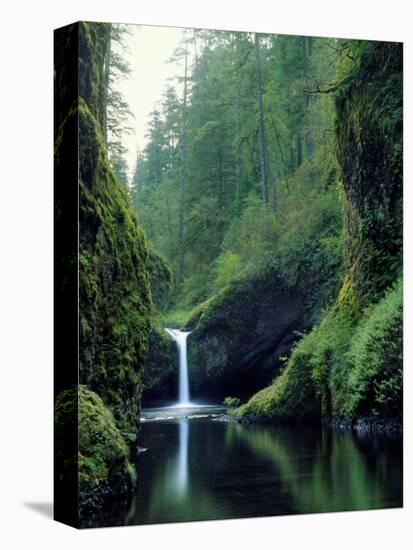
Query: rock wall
[(161, 370), (369, 129), (240, 336)]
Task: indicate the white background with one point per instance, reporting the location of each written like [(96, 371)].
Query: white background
[(26, 273)]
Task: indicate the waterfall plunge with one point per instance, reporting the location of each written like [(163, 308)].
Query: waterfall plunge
[(180, 339)]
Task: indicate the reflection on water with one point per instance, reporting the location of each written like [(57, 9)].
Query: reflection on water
[(325, 470), (182, 466), (203, 468)]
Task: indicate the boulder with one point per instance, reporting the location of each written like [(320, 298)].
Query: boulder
[(236, 346)]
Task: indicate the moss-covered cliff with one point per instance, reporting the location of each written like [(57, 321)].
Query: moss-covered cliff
[(350, 364), (369, 129), (114, 296), (114, 292), (160, 278), (103, 456), (161, 366)]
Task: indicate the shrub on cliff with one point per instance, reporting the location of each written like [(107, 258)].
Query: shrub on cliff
[(292, 395), (376, 358)]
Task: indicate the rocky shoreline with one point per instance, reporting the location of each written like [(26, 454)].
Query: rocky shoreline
[(366, 424), (360, 424)]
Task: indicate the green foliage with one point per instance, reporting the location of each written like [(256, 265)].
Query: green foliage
[(232, 402), (352, 360), (291, 396), (160, 278), (178, 318), (119, 167), (341, 368), (303, 241), (330, 340), (228, 267), (376, 359), (228, 231), (161, 366), (251, 238), (369, 132), (330, 229), (357, 363), (195, 289)]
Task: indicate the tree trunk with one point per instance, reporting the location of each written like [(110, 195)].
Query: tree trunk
[(238, 155), (261, 125), (195, 48), (274, 192), (181, 228), (299, 151), (307, 48), (292, 159), (221, 196), (106, 75)]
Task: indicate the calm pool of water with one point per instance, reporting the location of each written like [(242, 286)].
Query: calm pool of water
[(200, 467)]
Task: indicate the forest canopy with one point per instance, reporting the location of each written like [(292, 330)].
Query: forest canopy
[(239, 172)]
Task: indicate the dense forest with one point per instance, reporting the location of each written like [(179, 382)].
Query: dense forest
[(272, 189), (264, 215)]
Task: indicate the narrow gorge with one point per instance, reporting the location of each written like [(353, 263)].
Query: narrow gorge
[(240, 280)]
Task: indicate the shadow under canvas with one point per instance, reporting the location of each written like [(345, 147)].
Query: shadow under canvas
[(43, 508)]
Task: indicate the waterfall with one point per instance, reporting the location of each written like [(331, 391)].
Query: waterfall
[(180, 339)]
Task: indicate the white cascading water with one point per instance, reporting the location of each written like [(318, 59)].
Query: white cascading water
[(180, 339)]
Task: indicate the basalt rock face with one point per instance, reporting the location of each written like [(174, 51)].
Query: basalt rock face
[(369, 129), (160, 379), (161, 370), (240, 336)]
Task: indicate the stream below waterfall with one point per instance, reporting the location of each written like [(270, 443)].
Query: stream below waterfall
[(198, 466)]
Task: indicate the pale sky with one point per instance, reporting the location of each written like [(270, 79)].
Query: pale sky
[(149, 50)]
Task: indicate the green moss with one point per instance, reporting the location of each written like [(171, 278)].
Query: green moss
[(160, 278), (93, 43), (177, 318), (348, 303), (376, 359), (103, 455), (341, 368), (187, 318), (115, 301), (291, 396), (369, 133), (303, 390), (161, 367)]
